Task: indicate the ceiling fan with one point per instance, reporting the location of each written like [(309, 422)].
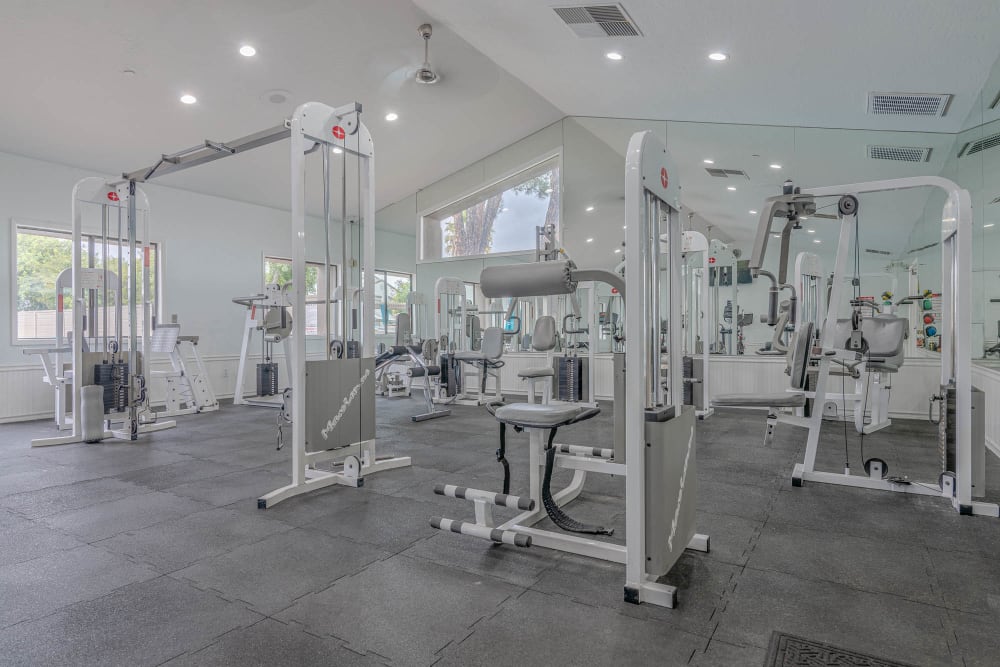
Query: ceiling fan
[(426, 75)]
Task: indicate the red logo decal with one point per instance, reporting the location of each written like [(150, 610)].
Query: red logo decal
[(664, 179), (614, 290), (113, 196), (711, 260), (338, 132)]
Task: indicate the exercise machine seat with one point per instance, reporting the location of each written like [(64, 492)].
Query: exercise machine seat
[(798, 366), (491, 349), (782, 400), (886, 335), (532, 415), (536, 372)]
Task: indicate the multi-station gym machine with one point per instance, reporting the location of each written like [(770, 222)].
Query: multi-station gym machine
[(110, 302)]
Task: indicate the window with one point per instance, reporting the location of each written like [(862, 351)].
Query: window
[(278, 270), (391, 292), (41, 255), (498, 219)]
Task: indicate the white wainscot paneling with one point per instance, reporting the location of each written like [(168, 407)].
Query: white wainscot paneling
[(987, 378)]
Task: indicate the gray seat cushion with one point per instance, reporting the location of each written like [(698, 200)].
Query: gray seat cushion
[(530, 415), (782, 400), (470, 355), (536, 372)]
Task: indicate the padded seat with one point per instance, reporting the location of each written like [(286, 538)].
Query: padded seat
[(782, 400), (536, 372), (532, 415)]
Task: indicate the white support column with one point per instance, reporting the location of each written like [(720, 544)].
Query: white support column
[(297, 346)]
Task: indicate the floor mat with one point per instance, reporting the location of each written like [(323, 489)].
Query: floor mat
[(791, 651)]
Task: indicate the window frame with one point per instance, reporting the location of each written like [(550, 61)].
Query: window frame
[(58, 230), (555, 155), (385, 295), (336, 274)]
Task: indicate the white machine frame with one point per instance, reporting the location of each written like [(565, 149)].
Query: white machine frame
[(956, 364), (188, 388), (696, 293), (314, 126), (652, 198), (120, 197), (272, 297)]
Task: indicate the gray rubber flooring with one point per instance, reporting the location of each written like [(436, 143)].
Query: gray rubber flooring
[(153, 553)]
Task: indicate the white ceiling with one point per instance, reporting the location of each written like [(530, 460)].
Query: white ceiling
[(66, 99), (793, 62)]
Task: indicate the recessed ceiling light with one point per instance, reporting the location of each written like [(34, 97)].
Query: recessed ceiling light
[(803, 217), (338, 150), (248, 51), (188, 99), (707, 161), (590, 240), (718, 56), (617, 250), (753, 212), (589, 208), (614, 55), (811, 231), (732, 188), (624, 226), (989, 225), (391, 116), (777, 236), (776, 166), (816, 241)]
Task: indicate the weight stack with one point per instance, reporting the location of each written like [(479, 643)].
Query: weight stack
[(267, 379), (687, 369), (947, 435), (569, 378), (113, 378)]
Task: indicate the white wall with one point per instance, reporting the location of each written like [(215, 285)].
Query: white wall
[(212, 252)]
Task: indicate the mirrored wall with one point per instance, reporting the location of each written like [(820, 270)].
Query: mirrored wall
[(726, 172)]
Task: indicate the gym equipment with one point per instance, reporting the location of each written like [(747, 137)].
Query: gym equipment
[(331, 404), (99, 350), (413, 358), (267, 313), (959, 485), (722, 267), (543, 339), (188, 387), (657, 455), (696, 323)]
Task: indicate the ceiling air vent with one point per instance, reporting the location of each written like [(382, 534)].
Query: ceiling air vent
[(907, 104), (995, 201), (877, 252), (986, 143), (598, 21), (899, 153), (996, 101), (726, 173)]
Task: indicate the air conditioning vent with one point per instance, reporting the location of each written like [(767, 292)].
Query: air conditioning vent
[(995, 201), (877, 252), (996, 101), (899, 153), (908, 104), (726, 173), (598, 21), (986, 143)]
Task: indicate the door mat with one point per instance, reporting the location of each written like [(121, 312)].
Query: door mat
[(791, 651)]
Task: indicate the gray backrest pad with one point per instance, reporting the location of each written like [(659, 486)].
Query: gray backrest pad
[(543, 338), (493, 343), (798, 361)]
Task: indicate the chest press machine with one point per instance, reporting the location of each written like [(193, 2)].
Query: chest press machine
[(877, 341), (657, 456)]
